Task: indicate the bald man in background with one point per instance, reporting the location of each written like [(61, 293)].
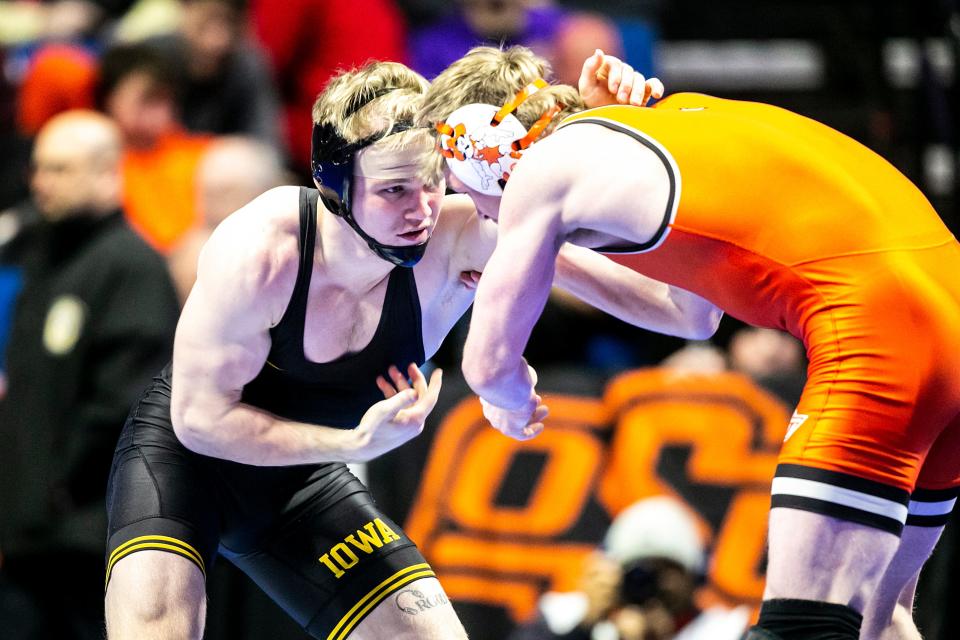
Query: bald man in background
[(93, 321), (233, 171)]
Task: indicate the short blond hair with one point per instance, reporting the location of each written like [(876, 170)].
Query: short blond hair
[(488, 75), (369, 101)]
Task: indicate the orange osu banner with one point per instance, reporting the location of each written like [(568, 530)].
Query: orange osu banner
[(502, 521)]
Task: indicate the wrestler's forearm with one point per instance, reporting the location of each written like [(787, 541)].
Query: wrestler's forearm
[(248, 435), (507, 385), (702, 316), (633, 297)]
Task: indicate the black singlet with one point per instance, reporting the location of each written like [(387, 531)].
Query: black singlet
[(334, 393)]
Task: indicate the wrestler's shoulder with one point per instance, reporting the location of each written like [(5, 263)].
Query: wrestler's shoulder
[(277, 208), (266, 218), (457, 212), (264, 232)]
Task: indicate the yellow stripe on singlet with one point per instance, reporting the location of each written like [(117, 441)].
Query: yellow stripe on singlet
[(376, 595), (159, 543)]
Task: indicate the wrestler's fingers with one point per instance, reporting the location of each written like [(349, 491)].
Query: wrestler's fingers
[(436, 381), (392, 406), (427, 396), (614, 77), (385, 387), (466, 279), (540, 413), (470, 279), (416, 376), (532, 430), (656, 88), (398, 378), (533, 377), (593, 67), (640, 94), (628, 80)]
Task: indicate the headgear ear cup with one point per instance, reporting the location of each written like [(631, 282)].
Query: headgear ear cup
[(331, 162)]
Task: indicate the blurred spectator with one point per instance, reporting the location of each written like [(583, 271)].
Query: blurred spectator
[(234, 171), (60, 78), (641, 587), (16, 224), (138, 89), (94, 319), (308, 40), (577, 38), (226, 87), (773, 359), (476, 22), (14, 147), (566, 39), (24, 21), (148, 18), (696, 357)]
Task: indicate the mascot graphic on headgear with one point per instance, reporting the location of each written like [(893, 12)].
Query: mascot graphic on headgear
[(482, 143)]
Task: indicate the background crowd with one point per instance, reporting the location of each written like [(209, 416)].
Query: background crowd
[(130, 129)]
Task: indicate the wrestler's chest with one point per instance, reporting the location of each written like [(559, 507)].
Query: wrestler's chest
[(340, 322)]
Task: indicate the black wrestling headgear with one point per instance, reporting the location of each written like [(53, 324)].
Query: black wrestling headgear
[(332, 164)]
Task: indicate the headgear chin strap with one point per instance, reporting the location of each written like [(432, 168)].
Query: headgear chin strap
[(482, 143), (332, 160)]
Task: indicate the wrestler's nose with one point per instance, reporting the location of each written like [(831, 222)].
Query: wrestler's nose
[(422, 206)]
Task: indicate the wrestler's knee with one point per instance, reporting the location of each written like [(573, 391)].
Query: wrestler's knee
[(155, 594), (788, 619)]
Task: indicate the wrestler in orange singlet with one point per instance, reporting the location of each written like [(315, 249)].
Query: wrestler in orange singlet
[(788, 224), (781, 222)]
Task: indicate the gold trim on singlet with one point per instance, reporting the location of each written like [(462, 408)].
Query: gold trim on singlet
[(376, 595), (157, 543)]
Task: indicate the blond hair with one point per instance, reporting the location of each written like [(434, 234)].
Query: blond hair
[(367, 102), (488, 75)]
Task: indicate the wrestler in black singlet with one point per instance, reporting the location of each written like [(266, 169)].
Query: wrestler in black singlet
[(309, 535)]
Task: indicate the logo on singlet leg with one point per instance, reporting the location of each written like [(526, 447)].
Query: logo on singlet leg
[(796, 421), (343, 555)]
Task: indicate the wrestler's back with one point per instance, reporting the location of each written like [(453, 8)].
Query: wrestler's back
[(766, 195)]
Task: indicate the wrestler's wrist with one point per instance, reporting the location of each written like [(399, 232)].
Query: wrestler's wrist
[(503, 403)]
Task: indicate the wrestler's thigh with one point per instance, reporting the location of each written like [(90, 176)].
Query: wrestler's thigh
[(330, 565)]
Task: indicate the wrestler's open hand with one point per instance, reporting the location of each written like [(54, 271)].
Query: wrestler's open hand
[(400, 416), (522, 423), (606, 80)]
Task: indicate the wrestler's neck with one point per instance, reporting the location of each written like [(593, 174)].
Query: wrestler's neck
[(342, 258)]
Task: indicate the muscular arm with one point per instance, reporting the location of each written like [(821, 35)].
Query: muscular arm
[(633, 297), (510, 299), (245, 279), (603, 284)]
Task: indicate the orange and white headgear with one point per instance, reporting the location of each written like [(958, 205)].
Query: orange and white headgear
[(482, 142)]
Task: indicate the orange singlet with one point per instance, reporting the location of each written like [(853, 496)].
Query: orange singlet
[(786, 223)]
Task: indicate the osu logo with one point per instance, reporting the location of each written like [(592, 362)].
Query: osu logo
[(502, 521)]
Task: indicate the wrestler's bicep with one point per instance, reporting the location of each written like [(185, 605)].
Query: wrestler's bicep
[(242, 289)]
